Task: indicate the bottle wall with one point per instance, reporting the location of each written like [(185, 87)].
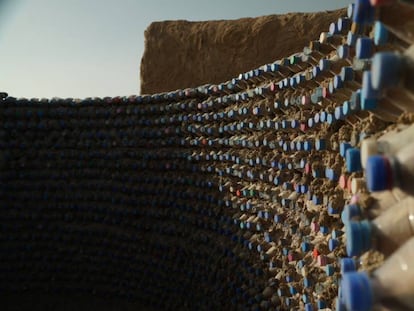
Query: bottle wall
[(245, 195)]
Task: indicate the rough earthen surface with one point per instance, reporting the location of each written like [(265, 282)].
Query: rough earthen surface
[(181, 54)]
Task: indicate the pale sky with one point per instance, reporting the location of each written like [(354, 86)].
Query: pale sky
[(81, 48)]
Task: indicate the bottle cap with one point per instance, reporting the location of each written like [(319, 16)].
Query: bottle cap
[(332, 244), (357, 291), (355, 101), (353, 160), (350, 10), (338, 83), (308, 145), (369, 96), (307, 282), (358, 237), (321, 304), (323, 116), (343, 24), (343, 147), (347, 73), (387, 70), (346, 108), (336, 234), (351, 39), (368, 148), (333, 28), (308, 307), (378, 173), (347, 265), (357, 185), (364, 48), (330, 270), (349, 212), (343, 51), (380, 33), (320, 144), (324, 64), (362, 12), (330, 118)]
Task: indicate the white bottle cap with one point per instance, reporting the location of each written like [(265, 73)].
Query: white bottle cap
[(368, 148)]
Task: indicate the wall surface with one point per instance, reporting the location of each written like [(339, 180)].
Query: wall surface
[(180, 54)]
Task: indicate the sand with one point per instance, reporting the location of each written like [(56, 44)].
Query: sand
[(181, 54)]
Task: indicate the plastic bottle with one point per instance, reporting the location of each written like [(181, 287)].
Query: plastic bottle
[(390, 69), (387, 144), (385, 233), (384, 35), (391, 285), (389, 171)]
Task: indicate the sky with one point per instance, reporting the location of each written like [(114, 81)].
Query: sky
[(87, 48)]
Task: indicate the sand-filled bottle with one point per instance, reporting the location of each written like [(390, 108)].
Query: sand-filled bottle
[(391, 69), (389, 171), (385, 233), (389, 143), (391, 285)]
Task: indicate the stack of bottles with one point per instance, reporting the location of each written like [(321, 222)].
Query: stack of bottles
[(230, 196), (379, 220)]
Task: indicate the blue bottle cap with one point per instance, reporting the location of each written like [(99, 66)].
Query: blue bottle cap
[(350, 10), (305, 246), (324, 64), (347, 265), (336, 234), (343, 51), (347, 73), (320, 144), (324, 230), (308, 307), (321, 304), (299, 145), (364, 48), (305, 298), (362, 12), (304, 188), (292, 81), (337, 82), (330, 118), (357, 291), (343, 24), (380, 33), (322, 116), (351, 39), (358, 237), (328, 173), (333, 28), (316, 70), (387, 70), (343, 147), (378, 173), (332, 211), (349, 212), (308, 145), (353, 160), (307, 282), (332, 244)]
